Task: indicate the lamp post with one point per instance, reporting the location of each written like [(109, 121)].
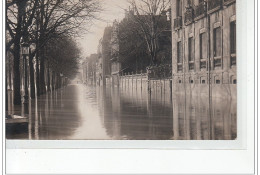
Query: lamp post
[(61, 75), (25, 55)]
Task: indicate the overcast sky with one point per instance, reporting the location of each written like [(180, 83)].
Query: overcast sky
[(113, 9)]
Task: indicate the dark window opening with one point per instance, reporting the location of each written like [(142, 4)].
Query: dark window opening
[(191, 49), (203, 46), (179, 52), (179, 56), (179, 81), (217, 42), (178, 8), (217, 81), (191, 81), (233, 43), (203, 65), (234, 81), (203, 81)]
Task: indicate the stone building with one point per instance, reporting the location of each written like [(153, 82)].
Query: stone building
[(106, 55), (103, 64), (115, 63), (204, 46)]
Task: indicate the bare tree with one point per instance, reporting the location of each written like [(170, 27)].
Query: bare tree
[(150, 16), (39, 21), (19, 18)]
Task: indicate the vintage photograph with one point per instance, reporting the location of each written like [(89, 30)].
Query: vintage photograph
[(120, 70)]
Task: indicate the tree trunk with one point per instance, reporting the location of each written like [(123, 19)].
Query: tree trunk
[(37, 75), (32, 83), (17, 81), (42, 79)]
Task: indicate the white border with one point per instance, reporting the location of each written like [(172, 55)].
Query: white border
[(243, 23), (239, 161)]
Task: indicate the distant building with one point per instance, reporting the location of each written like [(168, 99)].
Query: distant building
[(103, 63), (89, 69), (204, 45), (106, 55), (99, 69)]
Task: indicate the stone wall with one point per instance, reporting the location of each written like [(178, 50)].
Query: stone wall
[(157, 88)]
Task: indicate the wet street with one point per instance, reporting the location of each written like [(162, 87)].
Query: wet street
[(83, 112)]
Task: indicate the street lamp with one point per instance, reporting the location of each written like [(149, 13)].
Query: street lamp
[(25, 49)]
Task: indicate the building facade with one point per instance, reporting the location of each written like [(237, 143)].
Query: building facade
[(115, 63), (204, 46)]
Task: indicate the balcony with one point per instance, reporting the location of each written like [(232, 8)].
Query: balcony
[(233, 60), (179, 67), (217, 62), (214, 5), (227, 2), (200, 10), (191, 66), (203, 64), (188, 16), (178, 23)]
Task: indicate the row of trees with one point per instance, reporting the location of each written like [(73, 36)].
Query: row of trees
[(48, 27)]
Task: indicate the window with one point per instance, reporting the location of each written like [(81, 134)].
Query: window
[(178, 8), (191, 49), (191, 53), (203, 45), (203, 81), (217, 42), (200, 1), (217, 81), (233, 43), (203, 50), (179, 56)]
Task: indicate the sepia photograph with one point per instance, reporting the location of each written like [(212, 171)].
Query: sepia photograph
[(120, 70)]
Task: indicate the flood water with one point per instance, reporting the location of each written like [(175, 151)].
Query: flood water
[(83, 112)]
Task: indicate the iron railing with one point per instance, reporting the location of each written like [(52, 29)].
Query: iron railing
[(178, 23), (233, 60), (160, 72), (191, 65), (217, 62), (188, 19), (179, 67), (200, 10), (203, 64), (227, 2), (214, 5)]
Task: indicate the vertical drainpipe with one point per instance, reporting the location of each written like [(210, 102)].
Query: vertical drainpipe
[(209, 73), (184, 67)]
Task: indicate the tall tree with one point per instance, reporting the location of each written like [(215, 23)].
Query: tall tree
[(39, 21), (150, 17)]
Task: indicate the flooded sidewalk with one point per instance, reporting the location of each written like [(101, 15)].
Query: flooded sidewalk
[(83, 112)]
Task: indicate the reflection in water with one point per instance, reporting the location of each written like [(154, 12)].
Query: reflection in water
[(82, 112)]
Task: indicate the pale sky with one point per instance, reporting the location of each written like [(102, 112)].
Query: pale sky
[(113, 9)]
